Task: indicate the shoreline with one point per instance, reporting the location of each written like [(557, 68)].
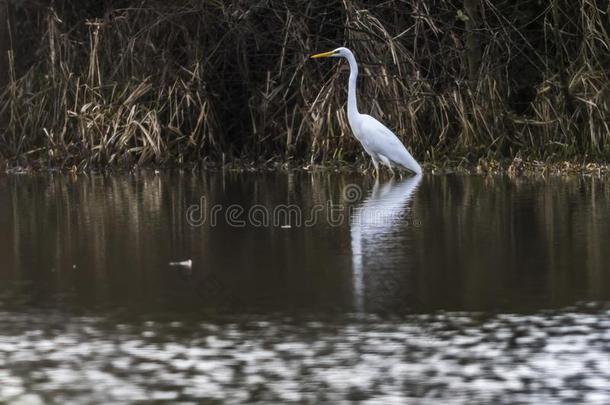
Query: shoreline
[(515, 168)]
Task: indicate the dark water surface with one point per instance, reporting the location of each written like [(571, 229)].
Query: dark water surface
[(306, 288)]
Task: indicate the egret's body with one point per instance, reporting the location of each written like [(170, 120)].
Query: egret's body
[(377, 140)]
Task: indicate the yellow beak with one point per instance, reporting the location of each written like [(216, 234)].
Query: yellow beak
[(322, 55)]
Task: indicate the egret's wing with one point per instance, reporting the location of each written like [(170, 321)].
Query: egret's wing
[(378, 139)]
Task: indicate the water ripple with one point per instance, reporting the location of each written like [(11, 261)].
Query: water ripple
[(450, 357)]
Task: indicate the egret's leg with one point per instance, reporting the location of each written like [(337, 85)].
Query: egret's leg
[(400, 170), (376, 164), (386, 162)]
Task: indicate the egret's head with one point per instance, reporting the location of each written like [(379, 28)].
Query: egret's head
[(335, 53)]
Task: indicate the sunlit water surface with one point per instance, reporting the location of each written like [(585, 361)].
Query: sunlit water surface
[(306, 288)]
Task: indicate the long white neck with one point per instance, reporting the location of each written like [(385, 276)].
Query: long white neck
[(352, 105)]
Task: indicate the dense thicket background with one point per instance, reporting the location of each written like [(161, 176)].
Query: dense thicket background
[(94, 82)]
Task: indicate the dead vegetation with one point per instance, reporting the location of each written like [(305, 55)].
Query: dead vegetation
[(200, 81)]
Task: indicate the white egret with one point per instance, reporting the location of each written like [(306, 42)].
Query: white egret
[(376, 139)]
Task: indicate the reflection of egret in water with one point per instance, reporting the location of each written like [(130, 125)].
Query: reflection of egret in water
[(373, 226)]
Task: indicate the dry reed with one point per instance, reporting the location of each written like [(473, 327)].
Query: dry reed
[(147, 82)]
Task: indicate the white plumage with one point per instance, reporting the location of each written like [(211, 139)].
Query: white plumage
[(377, 140)]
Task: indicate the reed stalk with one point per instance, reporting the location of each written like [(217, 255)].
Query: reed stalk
[(159, 83)]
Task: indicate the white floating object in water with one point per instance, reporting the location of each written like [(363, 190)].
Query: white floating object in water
[(286, 226), (187, 264)]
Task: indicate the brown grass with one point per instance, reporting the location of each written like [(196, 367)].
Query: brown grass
[(147, 83)]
